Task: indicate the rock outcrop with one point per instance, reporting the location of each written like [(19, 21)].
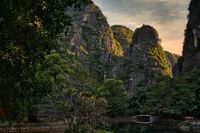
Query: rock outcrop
[(172, 58), (92, 38), (191, 52), (147, 58), (178, 67), (124, 36)]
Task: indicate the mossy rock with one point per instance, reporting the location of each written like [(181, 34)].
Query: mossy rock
[(123, 35)]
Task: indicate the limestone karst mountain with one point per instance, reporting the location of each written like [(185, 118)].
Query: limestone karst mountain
[(191, 52), (115, 52), (145, 61), (147, 58), (92, 38)]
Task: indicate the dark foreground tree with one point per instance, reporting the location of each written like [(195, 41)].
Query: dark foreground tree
[(29, 31)]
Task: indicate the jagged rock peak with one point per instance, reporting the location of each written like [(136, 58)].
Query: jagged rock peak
[(147, 58), (191, 51), (92, 38), (145, 35), (92, 31)]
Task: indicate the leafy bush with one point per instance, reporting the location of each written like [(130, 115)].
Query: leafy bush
[(178, 96), (103, 131), (116, 96)]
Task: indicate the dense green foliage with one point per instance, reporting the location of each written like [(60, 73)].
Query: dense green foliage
[(158, 55), (116, 96), (81, 110), (29, 31), (123, 35), (103, 131), (176, 97), (36, 68)]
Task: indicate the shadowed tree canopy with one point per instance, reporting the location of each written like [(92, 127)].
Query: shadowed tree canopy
[(29, 31)]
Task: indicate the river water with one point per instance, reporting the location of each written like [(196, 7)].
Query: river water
[(138, 128)]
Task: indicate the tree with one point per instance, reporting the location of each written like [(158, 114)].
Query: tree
[(29, 31), (81, 110), (175, 97), (115, 94)]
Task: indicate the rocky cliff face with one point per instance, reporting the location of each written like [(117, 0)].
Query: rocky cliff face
[(191, 52), (178, 67), (92, 38), (124, 36), (172, 58), (147, 58), (93, 47)]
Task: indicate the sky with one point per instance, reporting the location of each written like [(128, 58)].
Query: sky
[(168, 17)]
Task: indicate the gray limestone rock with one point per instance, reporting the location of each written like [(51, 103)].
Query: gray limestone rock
[(191, 51), (147, 58)]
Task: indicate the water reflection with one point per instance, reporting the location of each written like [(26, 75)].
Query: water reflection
[(135, 128)]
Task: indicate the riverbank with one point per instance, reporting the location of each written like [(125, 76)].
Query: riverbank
[(186, 125), (59, 127), (33, 127)]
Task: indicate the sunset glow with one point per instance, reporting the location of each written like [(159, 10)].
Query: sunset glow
[(169, 17)]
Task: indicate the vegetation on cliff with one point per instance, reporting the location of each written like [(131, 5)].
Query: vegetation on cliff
[(123, 35), (147, 59), (92, 38), (172, 58), (157, 54)]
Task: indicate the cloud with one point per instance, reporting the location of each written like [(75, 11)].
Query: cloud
[(169, 17), (157, 10)]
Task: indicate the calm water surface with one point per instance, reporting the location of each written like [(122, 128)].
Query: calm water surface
[(136, 128)]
